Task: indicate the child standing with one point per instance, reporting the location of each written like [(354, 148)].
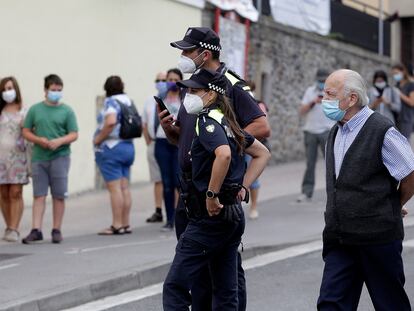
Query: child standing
[(52, 127)]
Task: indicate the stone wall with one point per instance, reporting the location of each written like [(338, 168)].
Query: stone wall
[(283, 63)]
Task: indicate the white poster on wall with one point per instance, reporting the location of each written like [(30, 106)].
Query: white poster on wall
[(244, 8), (233, 43), (309, 15)]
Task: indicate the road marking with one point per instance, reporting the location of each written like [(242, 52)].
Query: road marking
[(121, 299), (252, 263), (289, 252), (139, 294), (111, 246), (409, 243), (9, 266)]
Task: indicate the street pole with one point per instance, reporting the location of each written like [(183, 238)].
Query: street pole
[(381, 28)]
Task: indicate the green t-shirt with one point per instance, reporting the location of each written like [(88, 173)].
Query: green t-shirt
[(50, 122)]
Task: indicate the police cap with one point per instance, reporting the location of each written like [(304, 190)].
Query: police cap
[(206, 79), (198, 37)]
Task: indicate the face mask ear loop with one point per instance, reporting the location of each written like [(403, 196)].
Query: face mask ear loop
[(202, 64)]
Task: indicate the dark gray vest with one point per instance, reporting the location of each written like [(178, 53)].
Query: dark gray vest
[(363, 203)]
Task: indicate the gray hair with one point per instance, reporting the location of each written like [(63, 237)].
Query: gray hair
[(354, 83)]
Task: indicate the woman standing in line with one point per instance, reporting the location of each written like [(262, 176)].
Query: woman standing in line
[(166, 154), (14, 164), (406, 117)]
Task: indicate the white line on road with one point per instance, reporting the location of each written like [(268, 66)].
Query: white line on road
[(9, 266), (289, 252), (94, 249), (255, 262), (409, 243), (139, 294)]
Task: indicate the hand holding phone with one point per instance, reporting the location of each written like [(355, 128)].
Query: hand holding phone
[(161, 105)]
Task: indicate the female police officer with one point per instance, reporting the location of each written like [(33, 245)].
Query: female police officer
[(213, 199)]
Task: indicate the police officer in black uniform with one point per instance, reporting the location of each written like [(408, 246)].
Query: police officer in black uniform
[(212, 197), (201, 49)]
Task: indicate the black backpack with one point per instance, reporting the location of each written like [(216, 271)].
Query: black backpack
[(130, 120)]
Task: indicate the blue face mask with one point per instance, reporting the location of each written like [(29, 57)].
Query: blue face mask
[(54, 96), (162, 89), (398, 77), (331, 109), (172, 86)]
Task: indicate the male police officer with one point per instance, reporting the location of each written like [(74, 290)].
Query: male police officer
[(201, 49)]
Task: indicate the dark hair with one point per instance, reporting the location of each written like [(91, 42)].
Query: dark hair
[(3, 83), (52, 79), (380, 74), (176, 71), (228, 112), (215, 55), (402, 68), (113, 86)]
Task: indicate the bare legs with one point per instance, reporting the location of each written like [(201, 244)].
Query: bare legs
[(11, 202)]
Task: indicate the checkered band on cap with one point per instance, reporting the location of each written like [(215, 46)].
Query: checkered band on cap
[(209, 46), (217, 89)]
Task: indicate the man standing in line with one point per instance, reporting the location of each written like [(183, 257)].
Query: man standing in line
[(150, 124), (316, 130), (201, 49), (369, 179)]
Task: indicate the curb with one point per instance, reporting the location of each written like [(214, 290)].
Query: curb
[(114, 285)]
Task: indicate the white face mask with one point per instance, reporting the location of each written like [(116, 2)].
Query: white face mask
[(9, 96), (193, 104), (381, 85), (187, 65)]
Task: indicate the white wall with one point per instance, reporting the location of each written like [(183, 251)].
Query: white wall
[(85, 41)]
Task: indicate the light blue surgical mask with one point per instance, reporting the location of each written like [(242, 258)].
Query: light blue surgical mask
[(331, 109), (54, 96), (398, 77)]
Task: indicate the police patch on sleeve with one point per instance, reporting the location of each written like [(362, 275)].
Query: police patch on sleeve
[(210, 128)]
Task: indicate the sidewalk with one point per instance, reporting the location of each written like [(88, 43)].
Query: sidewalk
[(87, 267)]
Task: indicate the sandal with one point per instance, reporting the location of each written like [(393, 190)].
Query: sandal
[(126, 229), (112, 231)]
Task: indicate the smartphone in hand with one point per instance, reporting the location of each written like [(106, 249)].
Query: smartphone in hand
[(161, 105)]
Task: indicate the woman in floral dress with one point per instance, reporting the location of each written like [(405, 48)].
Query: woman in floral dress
[(14, 162)]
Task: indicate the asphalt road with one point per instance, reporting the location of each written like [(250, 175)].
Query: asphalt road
[(286, 285)]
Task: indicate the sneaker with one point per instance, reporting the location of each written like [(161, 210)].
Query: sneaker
[(303, 198), (156, 217), (167, 228), (34, 236), (253, 214), (56, 236), (11, 235)]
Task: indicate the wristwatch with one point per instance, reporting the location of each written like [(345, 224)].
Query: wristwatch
[(210, 194)]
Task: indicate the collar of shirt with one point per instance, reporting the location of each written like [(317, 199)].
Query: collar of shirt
[(357, 120)]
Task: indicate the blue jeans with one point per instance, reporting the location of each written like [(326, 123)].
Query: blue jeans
[(166, 155)]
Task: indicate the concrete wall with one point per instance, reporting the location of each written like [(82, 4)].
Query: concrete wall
[(283, 62), (85, 42)]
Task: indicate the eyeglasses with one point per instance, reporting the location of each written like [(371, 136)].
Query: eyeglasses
[(159, 80)]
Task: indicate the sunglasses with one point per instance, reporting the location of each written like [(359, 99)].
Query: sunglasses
[(159, 80)]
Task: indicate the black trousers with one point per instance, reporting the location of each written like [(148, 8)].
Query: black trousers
[(208, 243), (348, 267), (202, 287)]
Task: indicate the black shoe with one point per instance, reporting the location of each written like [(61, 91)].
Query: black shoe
[(34, 236), (156, 217), (56, 236)]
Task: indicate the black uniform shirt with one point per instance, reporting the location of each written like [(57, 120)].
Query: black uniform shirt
[(245, 108), (211, 136)]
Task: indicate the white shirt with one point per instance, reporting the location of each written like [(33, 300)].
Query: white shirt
[(315, 120)]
